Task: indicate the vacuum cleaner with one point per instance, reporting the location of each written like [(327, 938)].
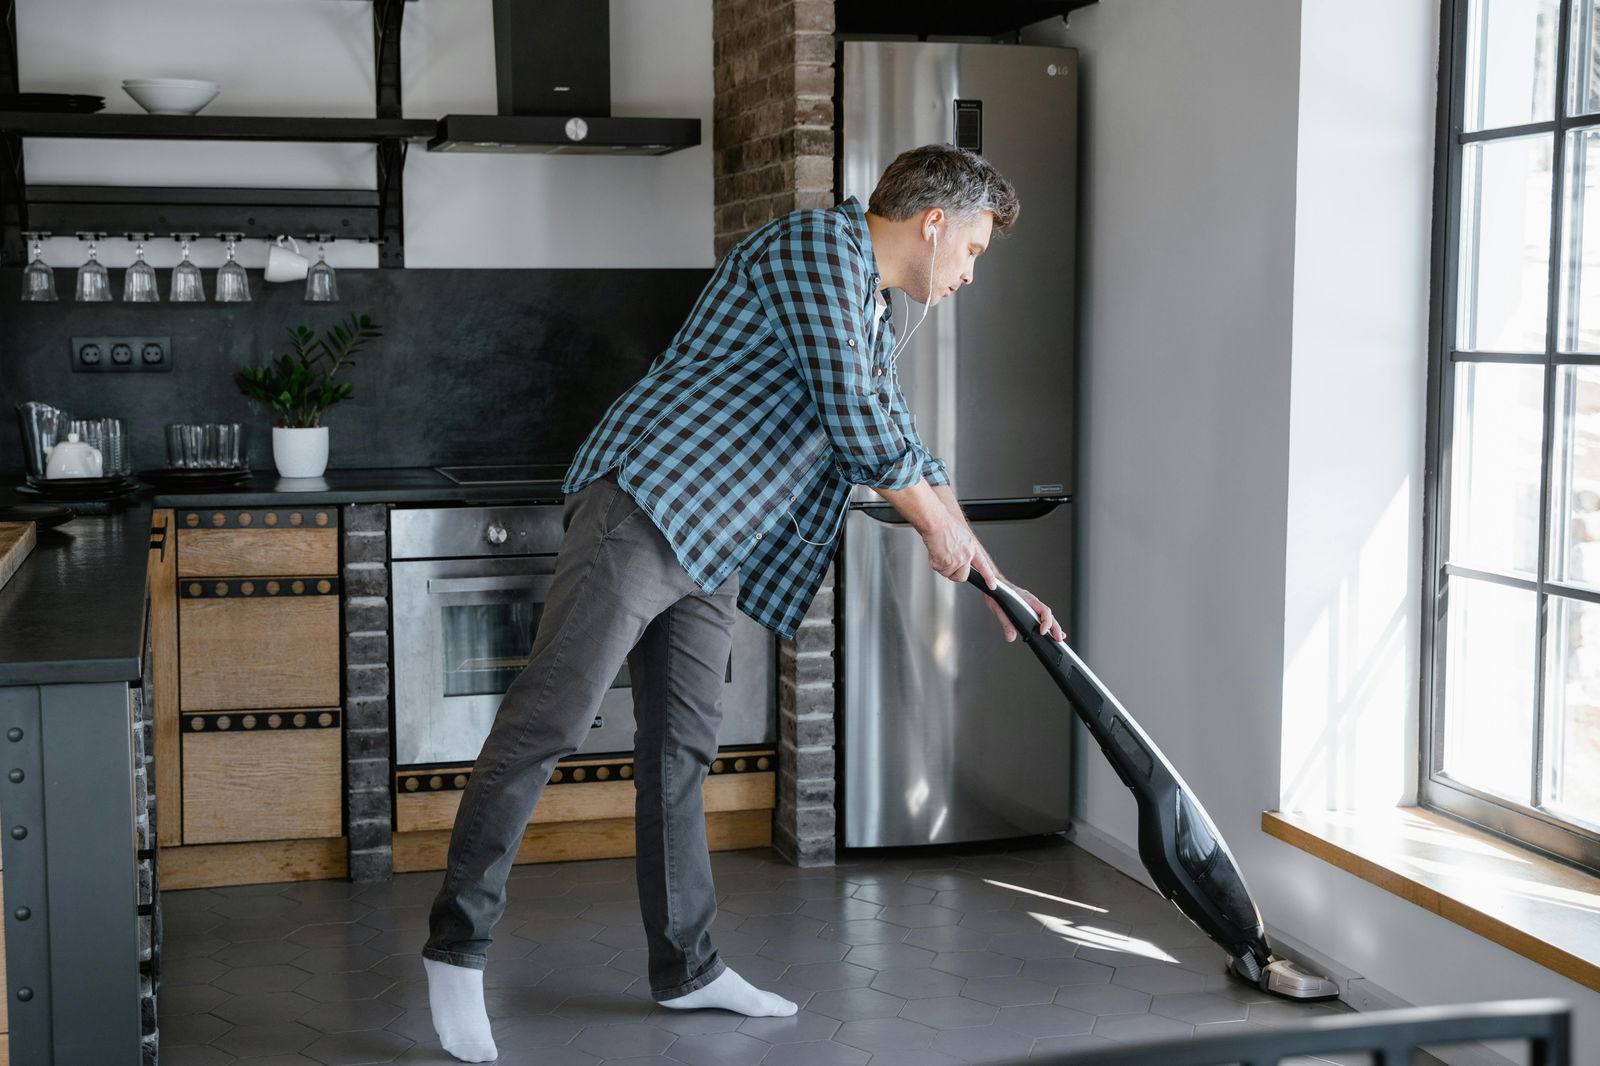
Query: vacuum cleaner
[(1178, 843)]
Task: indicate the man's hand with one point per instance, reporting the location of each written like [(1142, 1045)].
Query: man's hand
[(954, 551)]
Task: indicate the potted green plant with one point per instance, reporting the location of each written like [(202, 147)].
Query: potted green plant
[(299, 385)]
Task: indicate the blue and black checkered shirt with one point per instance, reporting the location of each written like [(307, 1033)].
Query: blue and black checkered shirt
[(743, 440)]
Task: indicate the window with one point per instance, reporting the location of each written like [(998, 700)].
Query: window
[(1512, 680)]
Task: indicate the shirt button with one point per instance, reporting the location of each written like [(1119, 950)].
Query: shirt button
[(852, 342), (793, 498), (758, 536), (879, 371)]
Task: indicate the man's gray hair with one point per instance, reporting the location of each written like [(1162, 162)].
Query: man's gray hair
[(941, 175)]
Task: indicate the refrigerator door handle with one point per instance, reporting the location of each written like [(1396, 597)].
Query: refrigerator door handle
[(993, 511)]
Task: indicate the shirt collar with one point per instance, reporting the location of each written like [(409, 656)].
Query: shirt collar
[(856, 215)]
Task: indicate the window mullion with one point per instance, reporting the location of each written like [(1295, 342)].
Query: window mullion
[(1552, 342)]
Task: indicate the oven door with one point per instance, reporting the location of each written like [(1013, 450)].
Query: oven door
[(463, 629)]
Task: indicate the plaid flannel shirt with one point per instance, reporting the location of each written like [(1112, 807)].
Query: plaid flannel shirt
[(743, 440)]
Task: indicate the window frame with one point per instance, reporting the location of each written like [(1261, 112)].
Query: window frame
[(1523, 824)]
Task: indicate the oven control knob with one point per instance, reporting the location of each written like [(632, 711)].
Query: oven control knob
[(495, 534)]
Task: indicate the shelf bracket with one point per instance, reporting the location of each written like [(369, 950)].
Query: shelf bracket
[(391, 203), (13, 190), (387, 16)]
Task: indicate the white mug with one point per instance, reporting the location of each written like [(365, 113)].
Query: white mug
[(286, 265)]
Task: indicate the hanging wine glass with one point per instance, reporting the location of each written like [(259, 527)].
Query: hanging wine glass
[(188, 285), (139, 280), (38, 280), (233, 284), (321, 285), (94, 284)]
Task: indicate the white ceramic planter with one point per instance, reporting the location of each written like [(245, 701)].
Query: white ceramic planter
[(300, 452)]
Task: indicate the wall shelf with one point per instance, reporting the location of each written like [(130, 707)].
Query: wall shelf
[(215, 127), (371, 215)]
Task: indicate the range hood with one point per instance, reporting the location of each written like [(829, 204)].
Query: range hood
[(553, 75)]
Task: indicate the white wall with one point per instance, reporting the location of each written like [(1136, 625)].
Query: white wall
[(1256, 211), (313, 57)]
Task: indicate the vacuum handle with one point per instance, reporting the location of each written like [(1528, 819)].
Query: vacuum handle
[(1017, 610)]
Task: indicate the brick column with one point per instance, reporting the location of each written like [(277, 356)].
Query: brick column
[(369, 803), (772, 122), (772, 141)]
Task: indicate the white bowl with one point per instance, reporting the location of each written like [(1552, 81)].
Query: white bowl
[(171, 96)]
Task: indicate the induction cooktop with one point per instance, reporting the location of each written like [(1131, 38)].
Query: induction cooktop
[(508, 474)]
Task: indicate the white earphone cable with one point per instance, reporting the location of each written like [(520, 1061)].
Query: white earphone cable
[(926, 303)]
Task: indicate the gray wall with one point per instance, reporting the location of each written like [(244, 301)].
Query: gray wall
[(476, 366), (1256, 212)]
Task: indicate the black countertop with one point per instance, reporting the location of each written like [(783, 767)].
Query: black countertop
[(74, 610), (419, 484)]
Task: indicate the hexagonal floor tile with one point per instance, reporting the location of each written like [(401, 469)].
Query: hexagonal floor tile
[(851, 1004), (350, 1015), (1198, 1008), (260, 1041), (1008, 991), (918, 983), (347, 1049), (620, 1041), (719, 1049), (1159, 980), (977, 964), (949, 1012), (262, 1008), (1044, 1019), (1138, 1028), (884, 1034)]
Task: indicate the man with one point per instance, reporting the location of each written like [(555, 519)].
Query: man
[(718, 483)]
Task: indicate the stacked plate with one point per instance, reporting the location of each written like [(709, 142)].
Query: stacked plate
[(60, 103), (79, 488), (179, 479)]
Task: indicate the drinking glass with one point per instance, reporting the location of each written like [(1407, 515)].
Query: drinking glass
[(188, 285), (208, 445), (38, 280), (107, 436), (139, 280), (233, 284), (321, 285), (94, 284)]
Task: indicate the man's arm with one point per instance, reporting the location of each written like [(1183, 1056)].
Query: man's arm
[(953, 549)]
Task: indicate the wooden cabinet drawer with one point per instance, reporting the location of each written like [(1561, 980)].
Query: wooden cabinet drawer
[(243, 645), (262, 783), (251, 543)]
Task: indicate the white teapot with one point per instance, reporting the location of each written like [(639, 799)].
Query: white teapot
[(72, 458)]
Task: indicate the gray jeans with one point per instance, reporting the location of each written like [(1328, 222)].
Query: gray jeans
[(619, 592)]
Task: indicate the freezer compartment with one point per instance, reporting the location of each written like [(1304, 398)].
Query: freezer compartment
[(947, 734)]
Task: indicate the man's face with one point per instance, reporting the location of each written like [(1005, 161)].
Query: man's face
[(960, 244)]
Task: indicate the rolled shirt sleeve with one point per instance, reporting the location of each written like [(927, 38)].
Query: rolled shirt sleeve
[(815, 293)]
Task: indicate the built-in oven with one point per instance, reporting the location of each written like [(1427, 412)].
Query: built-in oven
[(469, 585)]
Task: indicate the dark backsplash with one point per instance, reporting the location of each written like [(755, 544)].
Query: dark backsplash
[(475, 366)]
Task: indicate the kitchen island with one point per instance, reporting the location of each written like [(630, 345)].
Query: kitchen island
[(79, 877)]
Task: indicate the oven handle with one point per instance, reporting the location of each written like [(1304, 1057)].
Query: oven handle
[(488, 584)]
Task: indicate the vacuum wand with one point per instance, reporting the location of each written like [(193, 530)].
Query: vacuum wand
[(1178, 843)]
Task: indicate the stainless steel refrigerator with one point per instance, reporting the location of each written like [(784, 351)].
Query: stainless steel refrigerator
[(947, 733)]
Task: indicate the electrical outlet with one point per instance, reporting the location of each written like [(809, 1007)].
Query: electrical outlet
[(97, 354)]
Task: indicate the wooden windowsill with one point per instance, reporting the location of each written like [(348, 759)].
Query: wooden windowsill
[(1539, 908)]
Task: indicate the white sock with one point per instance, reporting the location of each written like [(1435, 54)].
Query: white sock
[(732, 992), (455, 994)]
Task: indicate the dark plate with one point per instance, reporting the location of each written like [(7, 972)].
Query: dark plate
[(175, 478), (70, 102), (40, 514), (78, 488)]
